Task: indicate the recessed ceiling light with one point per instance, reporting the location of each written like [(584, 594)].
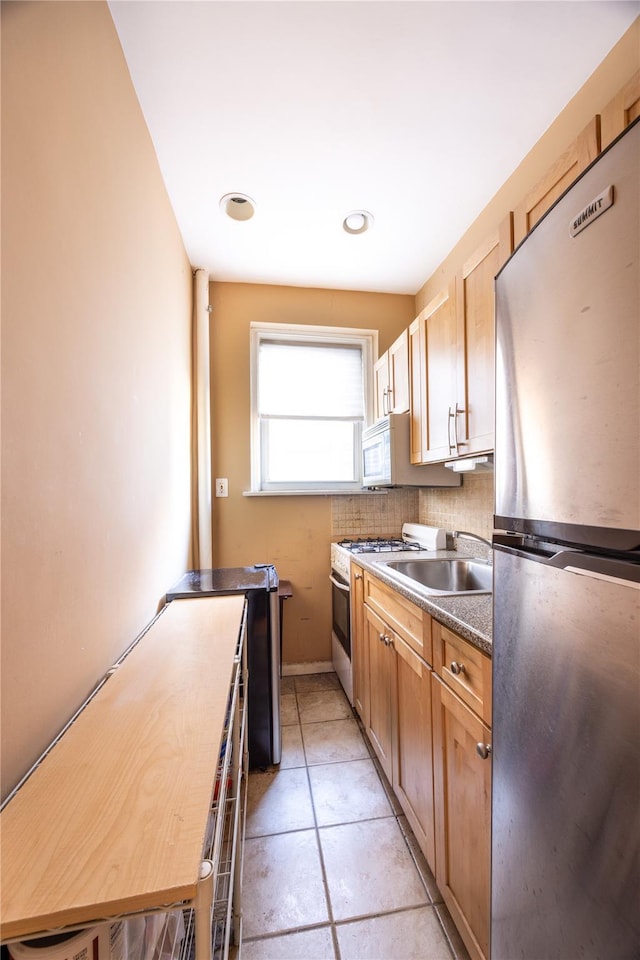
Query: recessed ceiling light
[(238, 206), (358, 221)]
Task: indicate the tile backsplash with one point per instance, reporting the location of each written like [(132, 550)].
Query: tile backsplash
[(380, 514), (469, 507)]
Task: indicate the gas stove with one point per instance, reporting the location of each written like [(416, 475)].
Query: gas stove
[(415, 536), (378, 545)]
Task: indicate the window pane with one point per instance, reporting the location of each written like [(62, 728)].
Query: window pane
[(310, 380), (306, 451)]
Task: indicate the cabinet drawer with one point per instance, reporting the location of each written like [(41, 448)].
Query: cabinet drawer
[(464, 669), (410, 622)]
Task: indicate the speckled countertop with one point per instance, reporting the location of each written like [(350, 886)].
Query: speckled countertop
[(468, 615)]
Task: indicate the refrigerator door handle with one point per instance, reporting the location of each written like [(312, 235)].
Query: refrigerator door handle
[(598, 568)]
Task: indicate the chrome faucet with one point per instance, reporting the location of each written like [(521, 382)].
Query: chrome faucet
[(472, 536)]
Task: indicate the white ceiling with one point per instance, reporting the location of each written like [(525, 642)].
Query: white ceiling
[(415, 111)]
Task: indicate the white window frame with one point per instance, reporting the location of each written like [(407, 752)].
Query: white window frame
[(367, 340)]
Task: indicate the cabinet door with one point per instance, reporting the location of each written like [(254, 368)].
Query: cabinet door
[(462, 784), (417, 391), (413, 756), (381, 386), (380, 726), (475, 302), (558, 177), (359, 651), (441, 349), (621, 111), (399, 374)]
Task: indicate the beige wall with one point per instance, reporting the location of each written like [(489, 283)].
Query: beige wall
[(612, 74), (96, 302), (292, 532)]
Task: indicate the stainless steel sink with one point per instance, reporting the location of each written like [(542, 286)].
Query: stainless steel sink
[(444, 577)]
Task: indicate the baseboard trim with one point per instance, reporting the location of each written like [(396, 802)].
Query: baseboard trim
[(314, 666)]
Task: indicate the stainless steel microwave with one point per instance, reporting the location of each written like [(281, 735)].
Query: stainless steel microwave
[(386, 458)]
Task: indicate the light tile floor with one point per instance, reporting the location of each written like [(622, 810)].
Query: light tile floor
[(331, 868)]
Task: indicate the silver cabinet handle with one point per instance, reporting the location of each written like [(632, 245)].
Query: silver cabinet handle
[(451, 415), (357, 576), (385, 401), (483, 750), (456, 667), (456, 413)]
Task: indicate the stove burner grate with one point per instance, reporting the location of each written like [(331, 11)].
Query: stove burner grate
[(378, 545)]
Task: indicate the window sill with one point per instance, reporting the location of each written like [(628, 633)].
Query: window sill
[(313, 493)]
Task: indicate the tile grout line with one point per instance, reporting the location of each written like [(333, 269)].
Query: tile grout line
[(388, 789), (395, 812), (327, 892)]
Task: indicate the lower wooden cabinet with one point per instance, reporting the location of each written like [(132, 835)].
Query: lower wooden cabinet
[(380, 722), (462, 785), (413, 756), (463, 817), (399, 724), (430, 729)]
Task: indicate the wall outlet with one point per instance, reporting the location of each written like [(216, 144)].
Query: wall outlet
[(222, 487)]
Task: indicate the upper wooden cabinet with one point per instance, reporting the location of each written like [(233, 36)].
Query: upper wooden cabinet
[(473, 426), (417, 391), (621, 111), (391, 378), (555, 181), (435, 379), (452, 359)]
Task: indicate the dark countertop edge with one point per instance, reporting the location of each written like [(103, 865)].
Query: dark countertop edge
[(469, 616)]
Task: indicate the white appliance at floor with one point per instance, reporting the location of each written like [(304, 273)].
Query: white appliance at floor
[(415, 536)]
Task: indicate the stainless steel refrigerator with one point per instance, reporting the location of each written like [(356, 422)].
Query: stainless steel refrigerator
[(566, 649)]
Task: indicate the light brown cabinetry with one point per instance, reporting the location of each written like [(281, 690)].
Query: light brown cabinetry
[(555, 181), (403, 616), (391, 378), (621, 111), (452, 360), (434, 378), (417, 391), (472, 426), (462, 784), (379, 721), (398, 712), (431, 730), (413, 755)]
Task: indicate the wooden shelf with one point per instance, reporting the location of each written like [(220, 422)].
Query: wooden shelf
[(114, 819)]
